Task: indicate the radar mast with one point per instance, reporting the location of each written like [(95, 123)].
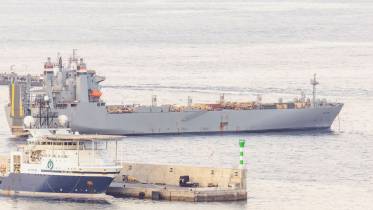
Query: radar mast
[(314, 82)]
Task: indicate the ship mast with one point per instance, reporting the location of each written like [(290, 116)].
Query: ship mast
[(314, 82)]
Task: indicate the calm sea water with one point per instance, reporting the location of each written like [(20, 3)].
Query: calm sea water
[(175, 49)]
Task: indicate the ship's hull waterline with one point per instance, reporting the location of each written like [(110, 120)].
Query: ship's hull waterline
[(55, 186), (88, 118)]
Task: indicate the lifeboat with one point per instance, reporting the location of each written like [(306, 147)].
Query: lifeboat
[(82, 67), (95, 93), (48, 66)]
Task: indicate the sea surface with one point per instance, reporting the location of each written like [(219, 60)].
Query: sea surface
[(202, 48)]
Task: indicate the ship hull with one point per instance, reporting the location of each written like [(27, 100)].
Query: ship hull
[(42, 185), (88, 118)]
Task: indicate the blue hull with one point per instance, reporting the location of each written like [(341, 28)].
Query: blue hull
[(16, 182)]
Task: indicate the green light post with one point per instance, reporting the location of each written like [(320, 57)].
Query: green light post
[(242, 146)]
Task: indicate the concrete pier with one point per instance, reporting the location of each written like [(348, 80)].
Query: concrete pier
[(161, 182), (175, 193)]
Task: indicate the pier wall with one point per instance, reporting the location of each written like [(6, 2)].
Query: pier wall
[(170, 174)]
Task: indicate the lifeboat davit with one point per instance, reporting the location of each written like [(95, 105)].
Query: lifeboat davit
[(95, 93)]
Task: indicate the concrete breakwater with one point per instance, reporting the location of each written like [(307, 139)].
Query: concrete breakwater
[(163, 182)]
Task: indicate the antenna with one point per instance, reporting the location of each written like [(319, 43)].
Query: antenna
[(221, 100), (314, 82), (154, 100), (60, 63), (74, 53), (189, 101), (59, 60), (258, 100), (302, 96)]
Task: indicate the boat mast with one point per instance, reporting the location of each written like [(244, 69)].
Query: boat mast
[(314, 82)]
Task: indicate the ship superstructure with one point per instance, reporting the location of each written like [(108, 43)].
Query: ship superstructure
[(64, 165), (74, 91)]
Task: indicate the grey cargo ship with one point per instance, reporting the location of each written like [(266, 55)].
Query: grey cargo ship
[(75, 91)]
